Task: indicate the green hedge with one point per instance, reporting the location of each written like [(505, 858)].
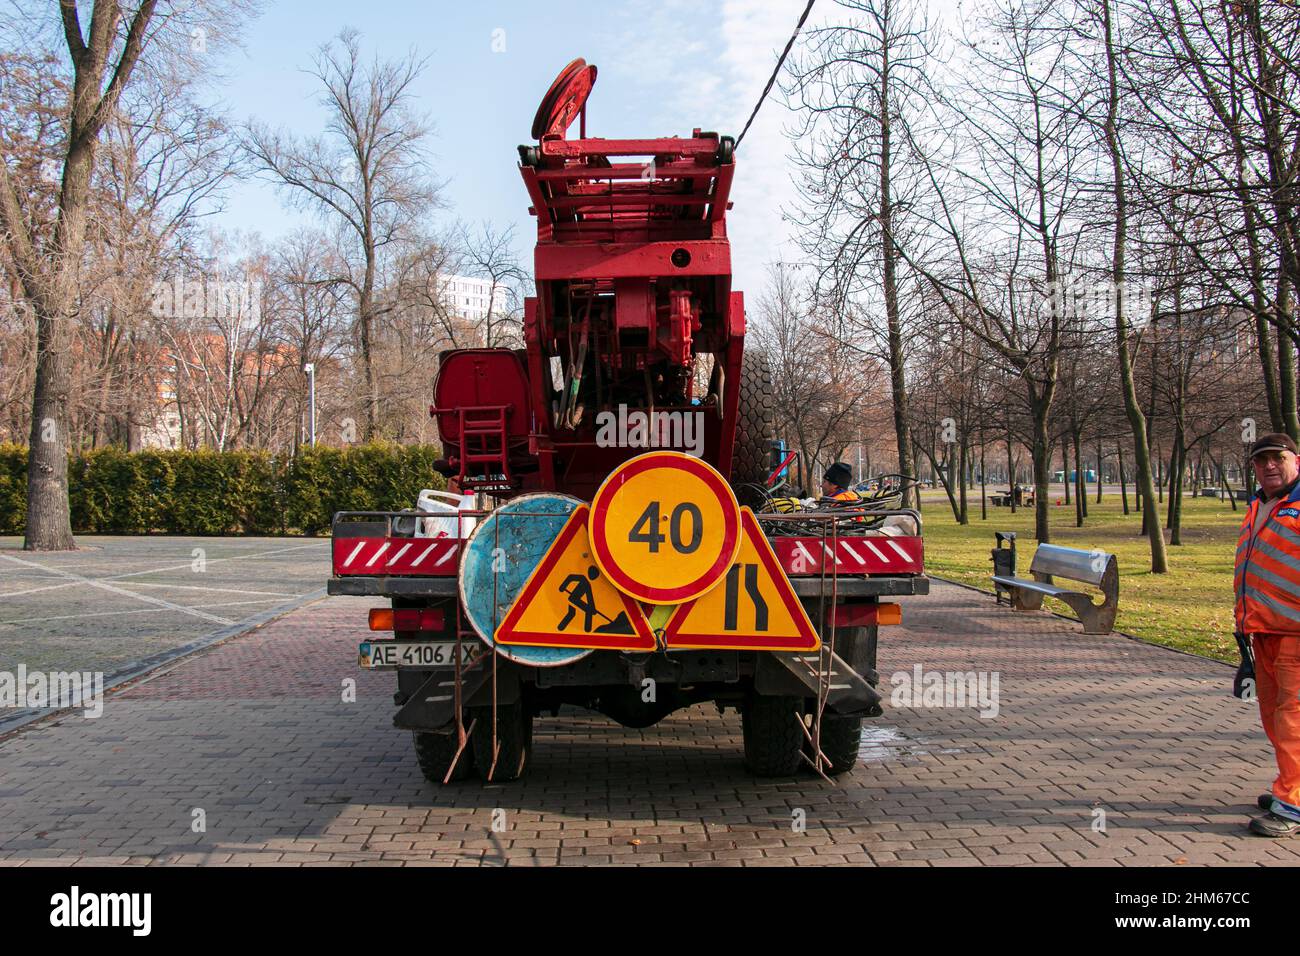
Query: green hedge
[(13, 488), (113, 491)]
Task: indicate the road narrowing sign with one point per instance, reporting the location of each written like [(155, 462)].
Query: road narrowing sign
[(567, 602), (753, 609), (665, 527)]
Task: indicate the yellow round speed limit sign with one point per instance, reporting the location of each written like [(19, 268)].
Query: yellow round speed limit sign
[(665, 527)]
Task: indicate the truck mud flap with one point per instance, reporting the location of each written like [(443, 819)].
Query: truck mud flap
[(432, 707), (850, 694)]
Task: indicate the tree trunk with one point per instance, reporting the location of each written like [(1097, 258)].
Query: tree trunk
[(1042, 465), (963, 517), (1123, 488), (943, 473), (916, 471), (1137, 421), (984, 482), (1011, 473), (365, 323), (1065, 470), (1099, 471), (1176, 490), (1162, 475), (1265, 349), (1080, 491), (889, 276), (1173, 461), (1286, 368), (49, 523)]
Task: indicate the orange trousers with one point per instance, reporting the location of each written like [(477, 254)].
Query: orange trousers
[(1277, 684)]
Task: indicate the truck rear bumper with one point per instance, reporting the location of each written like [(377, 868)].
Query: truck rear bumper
[(445, 587)]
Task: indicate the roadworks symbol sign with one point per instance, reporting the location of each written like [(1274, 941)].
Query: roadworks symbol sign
[(567, 602), (754, 608)]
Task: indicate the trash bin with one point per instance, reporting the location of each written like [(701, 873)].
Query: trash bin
[(1004, 561)]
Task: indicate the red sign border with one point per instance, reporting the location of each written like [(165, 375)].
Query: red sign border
[(730, 539), (749, 526), (599, 642)]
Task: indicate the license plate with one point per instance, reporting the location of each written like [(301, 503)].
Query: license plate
[(377, 655)]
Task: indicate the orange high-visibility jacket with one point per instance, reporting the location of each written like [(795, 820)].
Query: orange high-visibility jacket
[(847, 497), (1267, 578)]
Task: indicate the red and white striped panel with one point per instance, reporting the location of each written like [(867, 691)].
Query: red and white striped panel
[(851, 554), (430, 556)]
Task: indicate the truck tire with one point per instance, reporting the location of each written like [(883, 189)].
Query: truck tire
[(773, 739), (755, 427), (514, 736), (841, 738), (434, 753)]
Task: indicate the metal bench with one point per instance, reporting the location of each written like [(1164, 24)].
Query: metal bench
[(1089, 567)]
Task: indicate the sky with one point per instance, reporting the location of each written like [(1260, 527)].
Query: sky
[(665, 67)]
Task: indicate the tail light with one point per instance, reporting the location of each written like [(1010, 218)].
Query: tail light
[(864, 615), (889, 614), (407, 619)]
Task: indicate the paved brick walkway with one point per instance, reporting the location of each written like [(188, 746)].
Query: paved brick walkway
[(253, 737)]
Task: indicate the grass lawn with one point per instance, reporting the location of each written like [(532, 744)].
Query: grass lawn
[(1189, 608)]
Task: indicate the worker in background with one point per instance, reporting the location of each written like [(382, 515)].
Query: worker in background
[(835, 484), (835, 493), (1267, 585)]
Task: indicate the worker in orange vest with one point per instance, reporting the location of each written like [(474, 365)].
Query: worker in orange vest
[(1267, 584), (836, 481), (836, 492)]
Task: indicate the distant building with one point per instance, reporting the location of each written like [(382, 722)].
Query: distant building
[(193, 409), (165, 430), (471, 298)]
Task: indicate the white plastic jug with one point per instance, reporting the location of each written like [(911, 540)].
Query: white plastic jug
[(449, 505)]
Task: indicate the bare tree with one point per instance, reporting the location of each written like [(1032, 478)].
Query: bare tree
[(1219, 85), (120, 40), (1004, 200), (310, 313), (825, 391), (367, 173), (1119, 283), (102, 61), (853, 83), (489, 253)]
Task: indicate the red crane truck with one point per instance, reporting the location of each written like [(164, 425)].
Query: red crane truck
[(634, 322)]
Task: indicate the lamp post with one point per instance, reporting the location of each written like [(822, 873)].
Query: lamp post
[(310, 369), (859, 454)]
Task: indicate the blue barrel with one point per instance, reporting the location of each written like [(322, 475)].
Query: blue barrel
[(491, 579)]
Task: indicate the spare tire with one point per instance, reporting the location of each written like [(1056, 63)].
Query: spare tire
[(755, 428)]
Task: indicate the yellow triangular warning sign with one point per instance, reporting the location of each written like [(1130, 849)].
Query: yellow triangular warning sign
[(566, 602), (754, 608)]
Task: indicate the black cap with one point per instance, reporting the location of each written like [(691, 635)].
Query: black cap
[(1274, 441), (839, 474)]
